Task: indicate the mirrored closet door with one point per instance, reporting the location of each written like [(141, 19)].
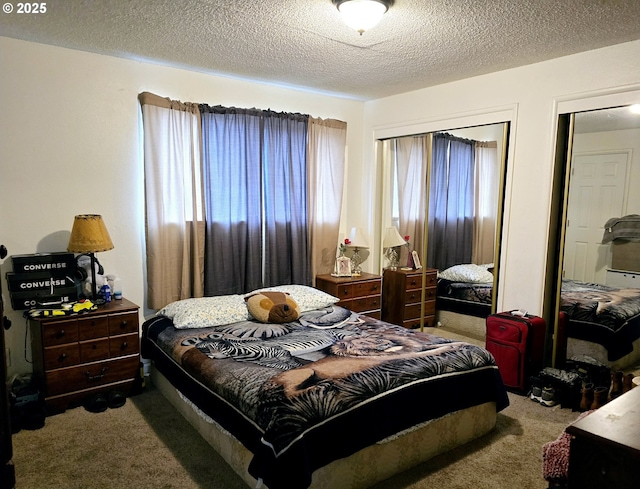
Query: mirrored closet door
[(443, 198), (598, 236)]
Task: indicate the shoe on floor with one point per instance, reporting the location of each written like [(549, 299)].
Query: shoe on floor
[(549, 397), (117, 399), (96, 403)]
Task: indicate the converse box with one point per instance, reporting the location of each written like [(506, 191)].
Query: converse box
[(44, 262), (49, 282)]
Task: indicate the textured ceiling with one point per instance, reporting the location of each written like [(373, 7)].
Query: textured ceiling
[(304, 43)]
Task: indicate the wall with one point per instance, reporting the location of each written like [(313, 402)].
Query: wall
[(70, 144), (529, 97)]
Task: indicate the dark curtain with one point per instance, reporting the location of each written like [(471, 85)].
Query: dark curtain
[(451, 202), (255, 199)]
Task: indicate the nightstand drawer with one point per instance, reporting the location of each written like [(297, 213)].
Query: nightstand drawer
[(81, 377), (60, 332), (124, 345), (94, 350), (93, 327), (61, 356), (415, 323)]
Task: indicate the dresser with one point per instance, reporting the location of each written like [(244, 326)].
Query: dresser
[(361, 294), (605, 446), (81, 355), (623, 278), (402, 295)]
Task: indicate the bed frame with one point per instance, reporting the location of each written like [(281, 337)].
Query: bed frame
[(364, 468)]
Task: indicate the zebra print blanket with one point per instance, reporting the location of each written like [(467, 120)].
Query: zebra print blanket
[(300, 387)]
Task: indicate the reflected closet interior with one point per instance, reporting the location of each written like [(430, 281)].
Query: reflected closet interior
[(442, 197)]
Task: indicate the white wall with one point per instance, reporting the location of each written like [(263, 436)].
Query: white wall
[(529, 96), (70, 144)]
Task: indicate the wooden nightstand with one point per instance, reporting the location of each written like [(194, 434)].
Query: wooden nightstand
[(359, 294), (605, 445), (80, 355), (402, 294)]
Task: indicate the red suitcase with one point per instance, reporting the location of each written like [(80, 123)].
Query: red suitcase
[(517, 344)]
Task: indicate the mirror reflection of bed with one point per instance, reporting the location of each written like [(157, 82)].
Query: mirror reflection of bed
[(599, 305), (462, 211)]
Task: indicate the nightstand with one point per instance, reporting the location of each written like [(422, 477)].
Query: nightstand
[(359, 294), (402, 295), (80, 355)]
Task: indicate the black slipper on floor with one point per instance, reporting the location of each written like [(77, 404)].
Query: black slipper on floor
[(96, 403), (116, 399)]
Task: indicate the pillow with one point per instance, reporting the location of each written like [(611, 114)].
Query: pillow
[(307, 297), (469, 273), (272, 307), (206, 311)]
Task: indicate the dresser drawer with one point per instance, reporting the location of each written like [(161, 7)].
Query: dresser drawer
[(93, 327), (361, 289), (81, 377), (60, 332), (123, 323), (364, 304), (429, 322), (61, 356), (124, 345), (415, 295), (94, 350), (412, 311)]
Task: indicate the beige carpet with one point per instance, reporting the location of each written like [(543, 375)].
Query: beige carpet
[(147, 444)]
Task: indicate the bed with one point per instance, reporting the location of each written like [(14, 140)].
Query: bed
[(466, 289), (333, 399), (602, 323)]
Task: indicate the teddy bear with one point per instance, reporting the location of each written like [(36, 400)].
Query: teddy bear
[(272, 307)]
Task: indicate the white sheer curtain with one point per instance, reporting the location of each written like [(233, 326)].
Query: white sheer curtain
[(486, 205), (326, 168), (173, 195), (411, 163)]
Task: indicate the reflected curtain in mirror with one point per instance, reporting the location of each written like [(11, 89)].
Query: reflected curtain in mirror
[(487, 168)]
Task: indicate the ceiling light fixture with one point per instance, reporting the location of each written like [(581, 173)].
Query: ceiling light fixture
[(362, 15)]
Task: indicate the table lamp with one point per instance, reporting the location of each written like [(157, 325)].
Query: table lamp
[(357, 241), (89, 235), (391, 240)]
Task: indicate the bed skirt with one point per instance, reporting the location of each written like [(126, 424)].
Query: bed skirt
[(577, 348), (364, 468)]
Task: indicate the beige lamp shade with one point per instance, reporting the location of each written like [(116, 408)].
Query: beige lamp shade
[(89, 235), (357, 239), (392, 238)]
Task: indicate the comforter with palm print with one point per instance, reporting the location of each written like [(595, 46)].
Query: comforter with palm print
[(302, 394)]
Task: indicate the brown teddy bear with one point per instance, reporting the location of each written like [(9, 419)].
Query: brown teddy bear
[(272, 307)]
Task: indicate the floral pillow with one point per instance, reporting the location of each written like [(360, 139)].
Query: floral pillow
[(206, 311), (469, 273)]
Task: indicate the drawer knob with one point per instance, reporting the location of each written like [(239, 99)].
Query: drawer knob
[(124, 345), (123, 324), (60, 333), (92, 378), (62, 357)]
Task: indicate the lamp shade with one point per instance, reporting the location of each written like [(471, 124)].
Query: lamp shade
[(362, 15), (89, 235), (357, 239), (392, 238)]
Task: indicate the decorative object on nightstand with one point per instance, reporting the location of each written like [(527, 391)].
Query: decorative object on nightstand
[(402, 297), (391, 241), (360, 294), (357, 241), (76, 357), (342, 267), (89, 235)]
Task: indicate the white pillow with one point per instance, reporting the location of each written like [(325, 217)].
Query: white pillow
[(470, 273), (206, 311), (307, 297)]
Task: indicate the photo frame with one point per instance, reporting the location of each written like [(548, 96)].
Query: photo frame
[(343, 267), (416, 261)]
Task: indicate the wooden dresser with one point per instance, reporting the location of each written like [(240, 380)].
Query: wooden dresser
[(359, 294), (80, 355), (605, 446), (402, 294)]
